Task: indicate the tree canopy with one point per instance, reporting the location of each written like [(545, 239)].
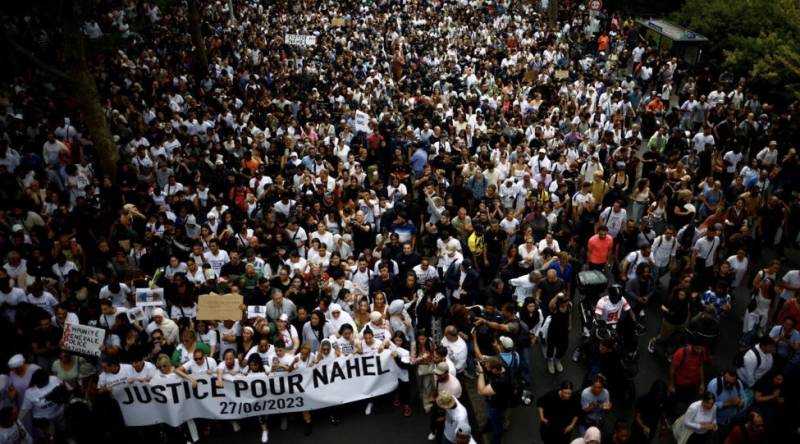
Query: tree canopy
[(755, 38)]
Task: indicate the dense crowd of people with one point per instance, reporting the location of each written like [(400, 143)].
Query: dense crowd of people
[(503, 159)]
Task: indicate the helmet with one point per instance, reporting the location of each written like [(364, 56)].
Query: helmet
[(615, 293)]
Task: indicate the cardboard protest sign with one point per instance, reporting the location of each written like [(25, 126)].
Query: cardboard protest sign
[(561, 74), (338, 22), (215, 307), (82, 339)]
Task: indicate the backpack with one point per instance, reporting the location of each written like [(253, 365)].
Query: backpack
[(515, 380), (738, 358), (720, 385)]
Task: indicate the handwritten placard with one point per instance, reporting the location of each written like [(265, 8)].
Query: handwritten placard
[(82, 339), (215, 307)]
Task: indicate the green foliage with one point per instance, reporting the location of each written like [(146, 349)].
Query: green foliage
[(757, 38)]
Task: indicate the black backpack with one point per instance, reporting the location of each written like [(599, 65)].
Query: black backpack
[(738, 358), (514, 379)]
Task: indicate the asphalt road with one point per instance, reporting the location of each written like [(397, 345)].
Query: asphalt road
[(386, 424)]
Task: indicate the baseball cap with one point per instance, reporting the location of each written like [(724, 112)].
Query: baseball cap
[(507, 342), (284, 317)]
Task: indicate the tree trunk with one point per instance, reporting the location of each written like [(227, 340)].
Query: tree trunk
[(89, 101), (201, 58), (552, 12)]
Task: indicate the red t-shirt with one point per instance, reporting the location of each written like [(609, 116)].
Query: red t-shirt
[(687, 364), (599, 249), (602, 43)]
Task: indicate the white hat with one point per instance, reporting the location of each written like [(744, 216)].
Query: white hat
[(16, 361), (17, 227), (507, 342), (284, 317), (375, 316)]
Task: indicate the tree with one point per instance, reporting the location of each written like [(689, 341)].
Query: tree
[(201, 62), (77, 75), (757, 38)]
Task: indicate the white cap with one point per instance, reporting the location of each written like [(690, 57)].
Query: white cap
[(16, 361)]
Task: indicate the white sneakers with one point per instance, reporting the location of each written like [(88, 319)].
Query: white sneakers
[(236, 426), (284, 423), (559, 367), (431, 436), (368, 410), (551, 366), (265, 436)]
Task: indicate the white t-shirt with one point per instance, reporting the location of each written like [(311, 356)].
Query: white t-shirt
[(792, 278), (266, 357), (509, 226), (119, 299), (664, 250), (35, 401), (707, 249), (615, 221), (16, 434), (733, 159), (112, 380), (46, 301), (634, 258), (700, 140), (216, 261), (205, 367), (146, 374), (739, 268), (11, 300), (235, 330)]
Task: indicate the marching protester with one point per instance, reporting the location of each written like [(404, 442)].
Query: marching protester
[(307, 194)]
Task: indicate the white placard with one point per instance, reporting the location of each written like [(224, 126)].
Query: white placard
[(362, 122), (256, 311), (82, 339), (300, 40)]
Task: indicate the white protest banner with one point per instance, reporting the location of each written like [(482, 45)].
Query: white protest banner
[(300, 40), (362, 122), (82, 339), (172, 400)]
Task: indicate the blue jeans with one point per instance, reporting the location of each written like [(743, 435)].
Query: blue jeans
[(496, 418), (470, 369), (524, 366)]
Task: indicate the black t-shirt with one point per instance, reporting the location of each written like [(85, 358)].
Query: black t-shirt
[(679, 311), (649, 409), (550, 289), (557, 411), (503, 391), (494, 242)]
